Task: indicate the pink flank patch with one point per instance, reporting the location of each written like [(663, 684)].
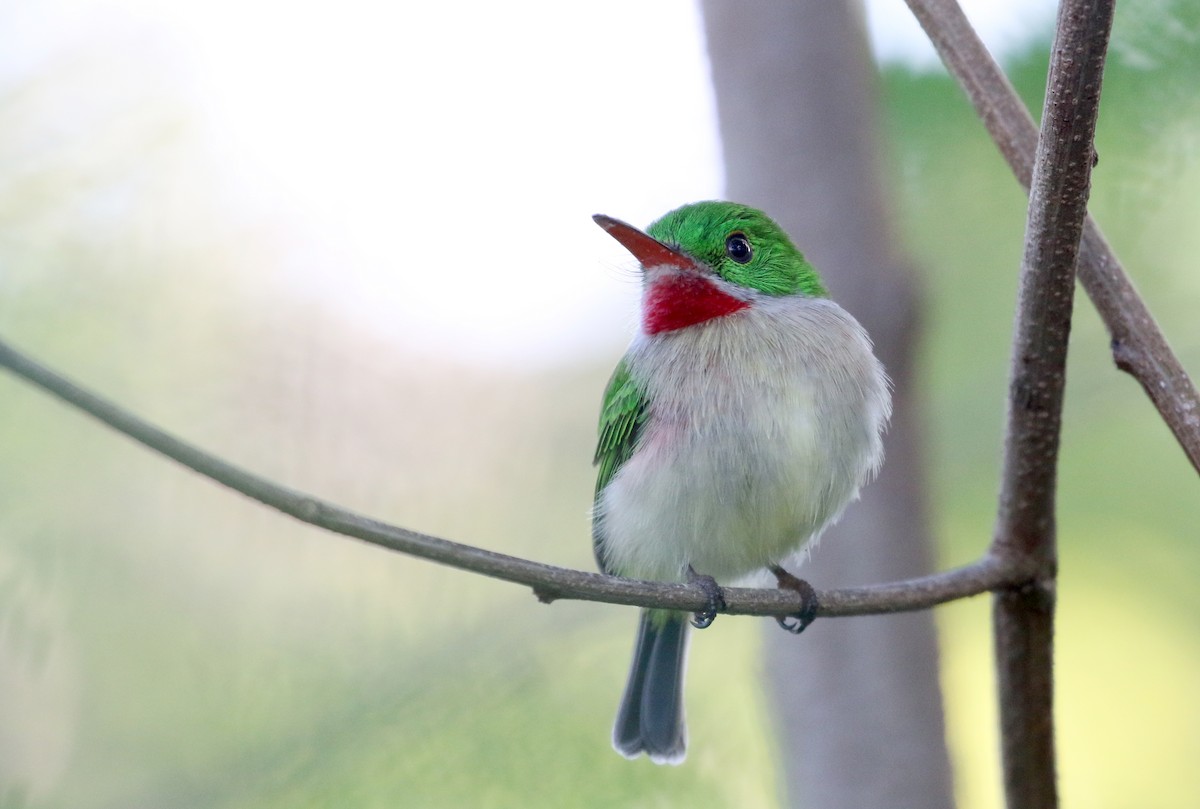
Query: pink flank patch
[(680, 300)]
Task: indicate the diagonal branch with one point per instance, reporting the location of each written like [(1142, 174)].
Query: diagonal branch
[(1025, 524), (1138, 345), (548, 582)]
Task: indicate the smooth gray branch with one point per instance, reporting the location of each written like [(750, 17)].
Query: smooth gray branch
[(548, 582), (1138, 345), (1025, 523)]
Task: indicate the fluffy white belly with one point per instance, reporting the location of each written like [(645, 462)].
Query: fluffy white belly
[(749, 450)]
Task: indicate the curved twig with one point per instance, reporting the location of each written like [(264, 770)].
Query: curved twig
[(1138, 345), (549, 583)]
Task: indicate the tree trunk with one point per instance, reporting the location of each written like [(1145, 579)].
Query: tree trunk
[(857, 700)]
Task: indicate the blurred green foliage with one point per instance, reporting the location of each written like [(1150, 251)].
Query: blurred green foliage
[(165, 643)]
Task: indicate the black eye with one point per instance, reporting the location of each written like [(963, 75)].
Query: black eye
[(737, 247)]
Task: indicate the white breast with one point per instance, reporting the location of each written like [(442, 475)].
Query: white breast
[(762, 427)]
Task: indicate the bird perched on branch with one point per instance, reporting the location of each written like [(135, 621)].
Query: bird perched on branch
[(745, 415)]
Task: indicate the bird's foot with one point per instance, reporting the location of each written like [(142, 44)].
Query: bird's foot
[(716, 599), (797, 622)]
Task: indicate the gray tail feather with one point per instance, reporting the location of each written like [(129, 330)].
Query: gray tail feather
[(650, 718)]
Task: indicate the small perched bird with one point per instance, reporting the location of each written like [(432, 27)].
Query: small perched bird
[(746, 414)]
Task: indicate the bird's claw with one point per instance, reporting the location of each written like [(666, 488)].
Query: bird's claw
[(702, 619), (796, 622)]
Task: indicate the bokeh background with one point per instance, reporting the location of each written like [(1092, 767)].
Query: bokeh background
[(349, 248)]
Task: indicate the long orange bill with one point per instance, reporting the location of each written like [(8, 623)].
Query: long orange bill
[(646, 249)]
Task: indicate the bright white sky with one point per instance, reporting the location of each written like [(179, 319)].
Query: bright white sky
[(435, 165)]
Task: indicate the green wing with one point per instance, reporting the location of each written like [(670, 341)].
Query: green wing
[(622, 415)]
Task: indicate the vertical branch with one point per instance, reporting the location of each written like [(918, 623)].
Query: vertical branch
[(1025, 527)]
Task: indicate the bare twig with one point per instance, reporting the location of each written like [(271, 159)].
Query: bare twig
[(1138, 345), (1025, 524), (548, 582)]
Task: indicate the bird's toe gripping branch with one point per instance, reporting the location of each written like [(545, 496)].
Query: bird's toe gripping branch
[(716, 599), (797, 622)]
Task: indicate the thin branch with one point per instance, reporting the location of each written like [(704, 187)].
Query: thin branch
[(1057, 206), (1025, 523), (548, 582), (1138, 345)]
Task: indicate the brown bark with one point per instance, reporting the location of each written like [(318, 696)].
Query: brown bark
[(1025, 523), (859, 704)]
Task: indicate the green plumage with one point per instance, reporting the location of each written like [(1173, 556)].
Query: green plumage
[(622, 415), (777, 267)]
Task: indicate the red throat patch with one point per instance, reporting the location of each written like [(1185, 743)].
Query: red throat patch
[(680, 300)]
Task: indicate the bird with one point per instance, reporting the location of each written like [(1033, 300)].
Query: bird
[(747, 412)]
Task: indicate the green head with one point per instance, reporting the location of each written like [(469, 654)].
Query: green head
[(742, 245)]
